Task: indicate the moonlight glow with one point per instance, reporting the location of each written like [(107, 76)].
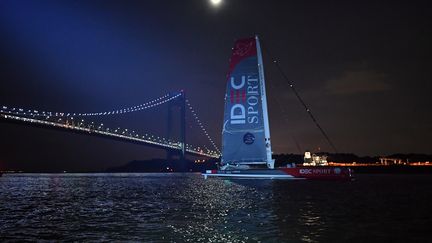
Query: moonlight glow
[(216, 2)]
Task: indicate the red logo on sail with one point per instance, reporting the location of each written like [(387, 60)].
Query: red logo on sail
[(241, 49)]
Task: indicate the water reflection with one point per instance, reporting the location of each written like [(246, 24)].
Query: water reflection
[(295, 207), (185, 207), (216, 210)]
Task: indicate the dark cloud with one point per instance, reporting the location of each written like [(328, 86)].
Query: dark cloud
[(357, 82)]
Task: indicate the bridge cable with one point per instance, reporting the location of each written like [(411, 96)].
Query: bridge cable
[(198, 121), (150, 104)]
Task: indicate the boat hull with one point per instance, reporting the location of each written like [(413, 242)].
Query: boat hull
[(297, 173)]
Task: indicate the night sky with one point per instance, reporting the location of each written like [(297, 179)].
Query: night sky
[(364, 68)]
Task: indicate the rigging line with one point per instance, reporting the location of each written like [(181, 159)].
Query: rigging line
[(300, 99), (284, 115), (297, 145), (305, 106)]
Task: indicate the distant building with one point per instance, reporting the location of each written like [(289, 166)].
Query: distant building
[(314, 160), (392, 161)]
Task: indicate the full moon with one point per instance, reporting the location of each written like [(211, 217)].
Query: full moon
[(215, 2)]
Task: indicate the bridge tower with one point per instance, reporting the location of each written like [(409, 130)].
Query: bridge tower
[(177, 104)]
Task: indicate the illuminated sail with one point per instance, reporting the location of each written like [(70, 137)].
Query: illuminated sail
[(246, 133)]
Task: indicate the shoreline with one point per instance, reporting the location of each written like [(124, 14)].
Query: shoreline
[(357, 170)]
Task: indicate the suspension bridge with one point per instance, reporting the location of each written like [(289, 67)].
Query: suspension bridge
[(74, 122)]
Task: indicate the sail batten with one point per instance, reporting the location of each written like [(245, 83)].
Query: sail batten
[(246, 134)]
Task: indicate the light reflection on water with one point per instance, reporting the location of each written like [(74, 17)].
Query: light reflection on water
[(185, 207)]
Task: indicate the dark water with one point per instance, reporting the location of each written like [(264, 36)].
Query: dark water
[(184, 207)]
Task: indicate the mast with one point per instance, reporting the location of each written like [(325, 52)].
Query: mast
[(270, 161)]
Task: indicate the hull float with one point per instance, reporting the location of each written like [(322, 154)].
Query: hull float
[(246, 139), (297, 173)]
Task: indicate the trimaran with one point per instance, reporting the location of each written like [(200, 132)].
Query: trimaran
[(246, 144)]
